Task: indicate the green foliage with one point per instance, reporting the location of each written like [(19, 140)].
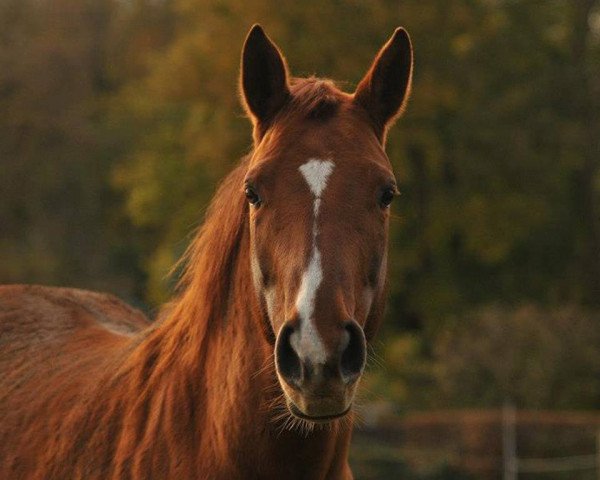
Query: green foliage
[(55, 203), (536, 357)]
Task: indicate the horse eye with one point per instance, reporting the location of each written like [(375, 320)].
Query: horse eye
[(252, 196), (386, 197)]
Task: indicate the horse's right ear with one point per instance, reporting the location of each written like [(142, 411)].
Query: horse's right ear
[(264, 78)]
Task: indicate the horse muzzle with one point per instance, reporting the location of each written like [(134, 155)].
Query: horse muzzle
[(319, 385)]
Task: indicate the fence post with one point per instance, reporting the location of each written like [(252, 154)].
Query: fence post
[(509, 441), (598, 455)]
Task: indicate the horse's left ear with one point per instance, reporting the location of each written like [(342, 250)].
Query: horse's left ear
[(385, 88), (264, 78)]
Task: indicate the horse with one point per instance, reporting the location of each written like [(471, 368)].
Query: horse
[(250, 372)]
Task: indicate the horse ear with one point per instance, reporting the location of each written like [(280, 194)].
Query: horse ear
[(264, 78), (385, 88)]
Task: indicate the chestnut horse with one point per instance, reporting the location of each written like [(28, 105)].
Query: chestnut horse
[(250, 372)]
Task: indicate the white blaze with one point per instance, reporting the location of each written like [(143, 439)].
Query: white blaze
[(316, 173)]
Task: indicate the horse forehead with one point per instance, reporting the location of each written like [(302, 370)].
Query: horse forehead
[(320, 171), (343, 138)]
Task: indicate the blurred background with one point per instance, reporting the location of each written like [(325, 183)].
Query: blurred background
[(119, 117)]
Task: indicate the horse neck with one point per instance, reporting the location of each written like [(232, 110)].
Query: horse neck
[(221, 363)]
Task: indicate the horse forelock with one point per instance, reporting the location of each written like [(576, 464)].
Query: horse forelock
[(314, 98)]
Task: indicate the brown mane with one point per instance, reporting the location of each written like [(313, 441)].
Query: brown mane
[(212, 254)]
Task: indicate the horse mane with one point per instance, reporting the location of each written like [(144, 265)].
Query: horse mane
[(207, 265)]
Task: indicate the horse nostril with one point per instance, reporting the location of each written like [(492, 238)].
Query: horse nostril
[(288, 362), (355, 355)]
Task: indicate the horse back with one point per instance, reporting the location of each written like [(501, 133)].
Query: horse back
[(43, 328), (56, 344), (48, 312)]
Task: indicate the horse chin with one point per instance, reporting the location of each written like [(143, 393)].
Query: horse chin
[(318, 408), (296, 412)]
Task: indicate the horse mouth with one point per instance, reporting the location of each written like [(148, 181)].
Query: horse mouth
[(317, 419)]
